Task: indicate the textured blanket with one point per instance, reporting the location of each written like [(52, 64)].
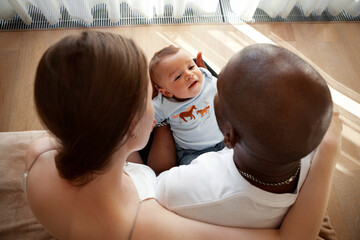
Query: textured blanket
[(16, 219)]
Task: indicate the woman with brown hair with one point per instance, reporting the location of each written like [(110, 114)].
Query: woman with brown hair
[(92, 92)]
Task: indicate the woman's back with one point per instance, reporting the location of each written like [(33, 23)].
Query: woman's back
[(93, 211)]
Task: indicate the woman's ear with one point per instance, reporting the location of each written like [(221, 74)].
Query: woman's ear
[(165, 92), (132, 127), (230, 136)]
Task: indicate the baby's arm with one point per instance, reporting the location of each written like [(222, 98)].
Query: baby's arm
[(162, 155)]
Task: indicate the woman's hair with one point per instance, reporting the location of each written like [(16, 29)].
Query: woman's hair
[(88, 89), (157, 58)]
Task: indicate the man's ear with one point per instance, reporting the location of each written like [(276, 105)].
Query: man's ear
[(165, 92), (230, 136)]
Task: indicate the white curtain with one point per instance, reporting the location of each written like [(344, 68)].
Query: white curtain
[(283, 8), (246, 8), (81, 9)]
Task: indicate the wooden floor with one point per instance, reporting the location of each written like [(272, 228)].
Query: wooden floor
[(332, 48)]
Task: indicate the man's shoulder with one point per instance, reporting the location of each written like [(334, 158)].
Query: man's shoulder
[(193, 183)]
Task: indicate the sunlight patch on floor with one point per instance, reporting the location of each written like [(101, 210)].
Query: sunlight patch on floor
[(181, 42), (342, 169), (345, 102), (252, 33)]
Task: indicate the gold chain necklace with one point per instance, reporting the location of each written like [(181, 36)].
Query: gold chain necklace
[(288, 181)]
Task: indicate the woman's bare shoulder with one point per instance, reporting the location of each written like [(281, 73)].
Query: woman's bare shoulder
[(39, 146)]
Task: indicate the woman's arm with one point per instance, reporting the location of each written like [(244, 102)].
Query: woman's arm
[(306, 215), (302, 222)]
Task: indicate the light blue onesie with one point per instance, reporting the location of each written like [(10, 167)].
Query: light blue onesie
[(193, 121)]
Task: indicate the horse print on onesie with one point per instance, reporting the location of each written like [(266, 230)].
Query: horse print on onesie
[(187, 113)]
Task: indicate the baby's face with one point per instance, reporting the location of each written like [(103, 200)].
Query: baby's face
[(179, 75)]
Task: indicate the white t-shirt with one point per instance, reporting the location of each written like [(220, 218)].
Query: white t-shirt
[(212, 190), (143, 178), (198, 128)]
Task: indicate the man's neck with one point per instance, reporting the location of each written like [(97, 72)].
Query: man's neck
[(259, 171)]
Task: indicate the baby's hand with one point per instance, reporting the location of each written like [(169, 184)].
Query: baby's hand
[(200, 61)]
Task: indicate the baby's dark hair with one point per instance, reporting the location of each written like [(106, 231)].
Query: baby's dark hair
[(88, 89), (157, 58)]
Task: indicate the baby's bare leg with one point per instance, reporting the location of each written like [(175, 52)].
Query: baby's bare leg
[(162, 154), (135, 158)]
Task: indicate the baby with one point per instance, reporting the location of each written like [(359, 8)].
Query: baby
[(185, 101)]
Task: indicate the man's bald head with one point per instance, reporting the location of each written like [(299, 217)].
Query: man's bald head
[(279, 106)]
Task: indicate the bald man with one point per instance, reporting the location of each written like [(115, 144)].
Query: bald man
[(273, 109)]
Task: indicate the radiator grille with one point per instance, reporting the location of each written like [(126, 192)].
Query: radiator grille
[(128, 17)]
